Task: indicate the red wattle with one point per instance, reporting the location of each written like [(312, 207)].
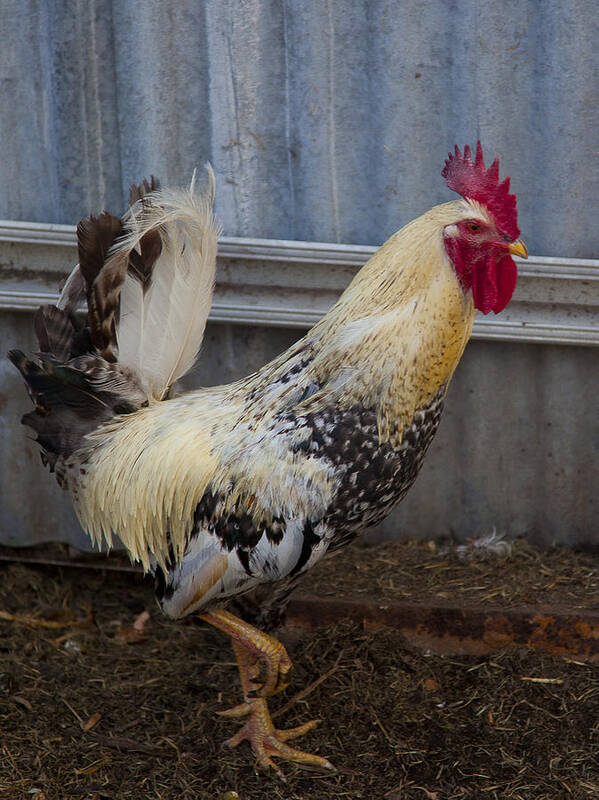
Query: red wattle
[(484, 285), (492, 278), (507, 275), (452, 248)]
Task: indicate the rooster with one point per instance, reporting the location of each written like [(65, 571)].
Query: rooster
[(228, 495)]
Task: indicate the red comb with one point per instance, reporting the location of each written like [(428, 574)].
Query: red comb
[(474, 181)]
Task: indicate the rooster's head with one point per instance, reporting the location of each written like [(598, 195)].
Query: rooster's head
[(480, 245)]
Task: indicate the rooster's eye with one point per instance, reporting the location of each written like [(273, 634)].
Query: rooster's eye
[(473, 227)]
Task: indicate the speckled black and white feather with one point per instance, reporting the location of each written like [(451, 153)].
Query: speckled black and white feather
[(371, 477)]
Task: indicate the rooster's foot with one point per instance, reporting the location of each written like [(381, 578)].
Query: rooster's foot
[(267, 741)]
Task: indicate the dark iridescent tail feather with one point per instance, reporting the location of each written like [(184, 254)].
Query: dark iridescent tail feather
[(70, 401)]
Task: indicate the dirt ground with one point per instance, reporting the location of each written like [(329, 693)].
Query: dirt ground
[(93, 709)]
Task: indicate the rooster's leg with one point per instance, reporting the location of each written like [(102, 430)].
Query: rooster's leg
[(256, 648), (252, 647)]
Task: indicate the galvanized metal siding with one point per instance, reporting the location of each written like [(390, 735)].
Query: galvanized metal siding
[(325, 121)]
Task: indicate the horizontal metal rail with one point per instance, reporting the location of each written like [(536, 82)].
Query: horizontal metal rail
[(292, 284)]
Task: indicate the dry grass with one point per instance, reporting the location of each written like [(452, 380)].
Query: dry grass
[(92, 711), (426, 571)]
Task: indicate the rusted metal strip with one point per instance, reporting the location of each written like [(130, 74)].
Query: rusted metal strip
[(457, 629)]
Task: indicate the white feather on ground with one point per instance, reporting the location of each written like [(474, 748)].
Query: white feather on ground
[(483, 547)]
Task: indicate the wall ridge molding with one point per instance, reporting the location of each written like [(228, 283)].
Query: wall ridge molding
[(292, 284)]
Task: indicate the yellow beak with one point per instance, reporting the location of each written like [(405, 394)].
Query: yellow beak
[(518, 248)]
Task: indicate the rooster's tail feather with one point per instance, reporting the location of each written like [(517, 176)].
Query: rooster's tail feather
[(147, 279), (167, 260), (72, 399)]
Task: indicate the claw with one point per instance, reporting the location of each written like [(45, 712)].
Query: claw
[(268, 742), (237, 711)]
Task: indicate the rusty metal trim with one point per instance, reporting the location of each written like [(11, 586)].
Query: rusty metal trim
[(450, 629)]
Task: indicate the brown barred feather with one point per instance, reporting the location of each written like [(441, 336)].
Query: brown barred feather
[(150, 246), (104, 305), (138, 191), (95, 237), (141, 264), (73, 292), (54, 329), (105, 281)]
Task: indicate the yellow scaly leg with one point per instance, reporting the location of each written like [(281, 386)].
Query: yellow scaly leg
[(253, 649)]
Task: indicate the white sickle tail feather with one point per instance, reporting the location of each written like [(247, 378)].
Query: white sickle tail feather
[(163, 311), (148, 280)]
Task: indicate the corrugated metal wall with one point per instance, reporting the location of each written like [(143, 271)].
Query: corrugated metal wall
[(327, 121)]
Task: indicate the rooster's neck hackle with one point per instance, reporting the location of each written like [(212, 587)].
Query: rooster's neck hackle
[(398, 331)]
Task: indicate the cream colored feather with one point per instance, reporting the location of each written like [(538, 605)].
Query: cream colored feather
[(160, 330)]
